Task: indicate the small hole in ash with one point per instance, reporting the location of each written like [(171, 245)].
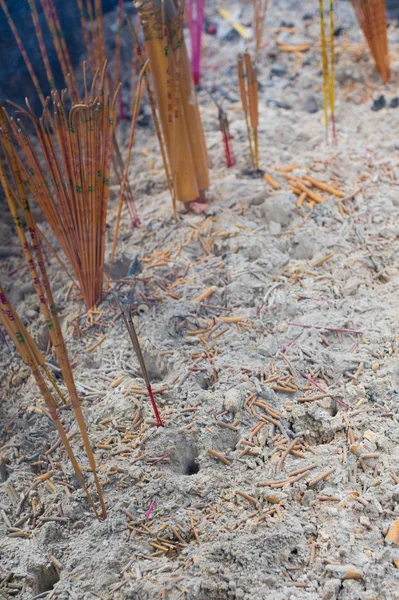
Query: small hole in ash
[(45, 577), (190, 466)]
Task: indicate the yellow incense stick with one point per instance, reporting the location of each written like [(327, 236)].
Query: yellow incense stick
[(244, 102), (324, 56), (332, 71)]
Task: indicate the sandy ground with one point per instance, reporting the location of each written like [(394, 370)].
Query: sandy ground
[(266, 525)]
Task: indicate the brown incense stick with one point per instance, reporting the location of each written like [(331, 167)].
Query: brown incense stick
[(371, 16), (126, 169), (29, 353), (260, 12), (248, 82), (42, 45), (42, 285), (25, 56), (60, 46), (71, 184), (127, 318)]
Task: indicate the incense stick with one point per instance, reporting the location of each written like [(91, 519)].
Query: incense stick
[(328, 69), (60, 46), (248, 82), (76, 166), (25, 56), (325, 66), (29, 353), (260, 12), (371, 16), (41, 283), (127, 318), (224, 128), (126, 169), (196, 18), (175, 97), (42, 45), (118, 55), (165, 160)]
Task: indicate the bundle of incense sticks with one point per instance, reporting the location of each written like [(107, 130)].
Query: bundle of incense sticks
[(176, 100), (95, 45), (127, 319), (328, 68), (15, 193), (260, 12), (248, 80), (70, 183), (371, 15), (196, 18)]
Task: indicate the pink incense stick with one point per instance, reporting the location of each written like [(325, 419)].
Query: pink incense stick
[(322, 328), (313, 382), (149, 511), (196, 17)]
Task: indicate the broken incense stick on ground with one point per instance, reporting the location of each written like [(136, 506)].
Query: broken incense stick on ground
[(219, 457)]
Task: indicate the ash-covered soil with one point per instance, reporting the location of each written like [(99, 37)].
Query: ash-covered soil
[(236, 373)]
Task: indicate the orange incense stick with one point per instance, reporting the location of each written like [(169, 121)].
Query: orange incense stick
[(126, 169), (29, 353)]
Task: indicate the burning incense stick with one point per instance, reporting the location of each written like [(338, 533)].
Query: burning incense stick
[(71, 188), (371, 16), (175, 97), (196, 17), (260, 11), (127, 318), (248, 80)]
